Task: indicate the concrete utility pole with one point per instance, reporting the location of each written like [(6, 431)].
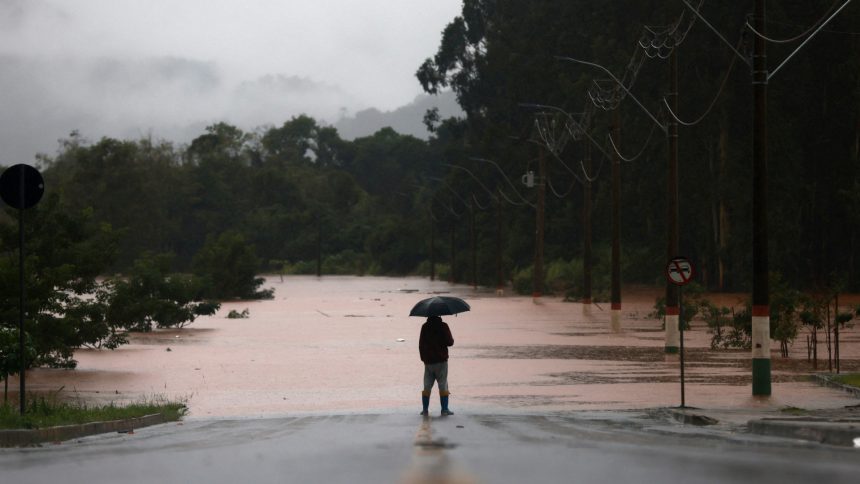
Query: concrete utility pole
[(537, 287), (500, 278), (474, 244), (615, 313), (451, 278), (432, 246), (673, 319), (761, 294), (586, 236)]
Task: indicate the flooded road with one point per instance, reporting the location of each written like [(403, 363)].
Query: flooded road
[(346, 344)]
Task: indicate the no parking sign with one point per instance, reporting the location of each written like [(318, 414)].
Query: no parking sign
[(679, 271)]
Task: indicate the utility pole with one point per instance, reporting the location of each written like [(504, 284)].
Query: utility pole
[(537, 291), (616, 227), (474, 245), (319, 245), (432, 246), (761, 296), (673, 320), (451, 278), (500, 279), (586, 235)]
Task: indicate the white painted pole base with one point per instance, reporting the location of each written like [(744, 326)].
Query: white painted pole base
[(673, 335), (615, 320), (761, 337), (586, 309)]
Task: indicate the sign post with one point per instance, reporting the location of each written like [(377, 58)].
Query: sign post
[(679, 271), (21, 187)]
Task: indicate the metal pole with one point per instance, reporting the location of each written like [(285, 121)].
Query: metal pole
[(761, 297), (681, 333), (21, 312), (672, 297)]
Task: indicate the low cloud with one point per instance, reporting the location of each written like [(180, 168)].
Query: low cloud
[(167, 97)]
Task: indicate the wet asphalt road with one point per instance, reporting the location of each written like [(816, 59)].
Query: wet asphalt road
[(581, 447)]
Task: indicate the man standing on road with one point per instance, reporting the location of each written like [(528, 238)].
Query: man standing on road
[(433, 345)]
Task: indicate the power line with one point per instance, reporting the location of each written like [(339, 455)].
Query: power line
[(713, 103), (798, 37), (509, 183), (555, 192), (617, 152), (717, 32), (773, 72)]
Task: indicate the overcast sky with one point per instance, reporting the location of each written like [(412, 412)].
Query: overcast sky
[(130, 68)]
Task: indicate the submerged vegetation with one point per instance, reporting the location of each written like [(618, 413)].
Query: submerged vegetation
[(852, 379)]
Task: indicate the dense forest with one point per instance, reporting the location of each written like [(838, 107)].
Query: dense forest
[(298, 193), (297, 198)]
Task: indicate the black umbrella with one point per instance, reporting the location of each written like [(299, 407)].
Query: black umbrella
[(439, 306)]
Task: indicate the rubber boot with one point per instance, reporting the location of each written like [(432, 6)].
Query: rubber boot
[(444, 402), (425, 403)]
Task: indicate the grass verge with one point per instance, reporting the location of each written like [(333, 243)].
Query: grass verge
[(852, 379), (44, 412)]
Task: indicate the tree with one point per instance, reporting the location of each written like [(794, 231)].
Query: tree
[(229, 267), (65, 254), (151, 294), (10, 356), (68, 305)]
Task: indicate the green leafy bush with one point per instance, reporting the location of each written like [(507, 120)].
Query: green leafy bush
[(229, 266)]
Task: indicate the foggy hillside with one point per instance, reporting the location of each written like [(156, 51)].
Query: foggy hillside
[(407, 119)]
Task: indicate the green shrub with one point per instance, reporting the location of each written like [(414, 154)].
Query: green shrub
[(233, 314)]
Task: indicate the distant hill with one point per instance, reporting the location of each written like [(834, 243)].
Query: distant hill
[(407, 119)]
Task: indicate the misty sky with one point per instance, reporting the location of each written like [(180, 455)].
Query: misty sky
[(168, 68)]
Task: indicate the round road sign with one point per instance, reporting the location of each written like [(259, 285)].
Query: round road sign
[(21, 186), (679, 271)]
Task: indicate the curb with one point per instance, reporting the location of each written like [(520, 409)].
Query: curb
[(26, 437), (826, 379), (842, 433), (692, 418)]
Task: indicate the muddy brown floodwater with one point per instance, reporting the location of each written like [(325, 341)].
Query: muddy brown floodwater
[(346, 344)]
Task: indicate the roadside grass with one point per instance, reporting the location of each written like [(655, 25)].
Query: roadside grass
[(42, 412), (852, 379)]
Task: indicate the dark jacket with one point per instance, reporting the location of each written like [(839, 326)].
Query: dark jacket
[(434, 342)]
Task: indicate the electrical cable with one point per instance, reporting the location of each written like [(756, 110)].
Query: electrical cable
[(713, 102), (473, 176), (617, 152), (507, 180), (717, 32), (480, 207), (800, 36), (554, 192)]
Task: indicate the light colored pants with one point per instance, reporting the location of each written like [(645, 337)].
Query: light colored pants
[(436, 372)]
